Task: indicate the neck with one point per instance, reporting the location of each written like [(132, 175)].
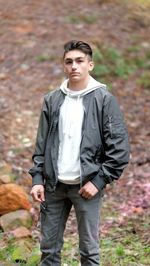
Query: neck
[(78, 85)]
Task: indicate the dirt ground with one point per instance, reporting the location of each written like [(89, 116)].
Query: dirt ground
[(32, 34)]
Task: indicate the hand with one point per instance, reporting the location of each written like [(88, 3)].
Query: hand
[(88, 190), (37, 193)]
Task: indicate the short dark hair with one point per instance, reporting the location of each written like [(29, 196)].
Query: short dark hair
[(78, 45)]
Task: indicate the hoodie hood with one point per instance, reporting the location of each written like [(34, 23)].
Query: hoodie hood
[(92, 85)]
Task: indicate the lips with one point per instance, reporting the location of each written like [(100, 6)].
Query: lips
[(75, 74)]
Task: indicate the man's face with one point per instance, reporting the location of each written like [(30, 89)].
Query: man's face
[(77, 65)]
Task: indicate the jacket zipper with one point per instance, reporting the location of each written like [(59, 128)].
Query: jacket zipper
[(81, 178), (56, 176)]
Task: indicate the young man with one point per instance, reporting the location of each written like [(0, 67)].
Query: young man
[(82, 145)]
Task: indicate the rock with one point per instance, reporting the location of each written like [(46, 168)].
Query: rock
[(5, 179), (13, 220), (3, 76), (21, 232), (13, 197), (5, 173)]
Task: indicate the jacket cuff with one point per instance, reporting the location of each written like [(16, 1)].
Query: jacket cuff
[(99, 182), (37, 180)]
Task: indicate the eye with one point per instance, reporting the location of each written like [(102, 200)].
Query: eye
[(68, 62), (80, 61)]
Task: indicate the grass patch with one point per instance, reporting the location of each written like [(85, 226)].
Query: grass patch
[(70, 254), (23, 252), (44, 57), (110, 63), (124, 249), (140, 3), (87, 19), (127, 244), (122, 246), (144, 80)]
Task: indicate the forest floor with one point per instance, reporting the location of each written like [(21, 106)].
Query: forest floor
[(32, 34)]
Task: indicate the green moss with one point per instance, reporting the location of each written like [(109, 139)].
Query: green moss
[(19, 255)]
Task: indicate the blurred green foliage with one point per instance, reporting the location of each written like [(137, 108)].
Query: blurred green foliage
[(110, 63)]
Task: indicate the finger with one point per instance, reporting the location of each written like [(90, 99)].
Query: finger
[(85, 194), (80, 191), (42, 196), (36, 196)]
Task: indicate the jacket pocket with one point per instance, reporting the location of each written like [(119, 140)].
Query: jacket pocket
[(116, 127)]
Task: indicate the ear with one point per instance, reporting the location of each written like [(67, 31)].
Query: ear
[(91, 65)]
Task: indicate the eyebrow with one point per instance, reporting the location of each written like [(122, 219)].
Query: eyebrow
[(76, 58)]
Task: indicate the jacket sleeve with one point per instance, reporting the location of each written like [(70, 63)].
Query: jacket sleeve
[(38, 157), (115, 142)]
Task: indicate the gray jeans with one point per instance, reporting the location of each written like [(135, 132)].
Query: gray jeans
[(54, 214)]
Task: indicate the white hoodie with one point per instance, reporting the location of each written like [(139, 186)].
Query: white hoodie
[(70, 128)]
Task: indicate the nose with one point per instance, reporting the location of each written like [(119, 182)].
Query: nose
[(74, 65)]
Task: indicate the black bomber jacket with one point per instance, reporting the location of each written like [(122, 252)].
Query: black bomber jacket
[(104, 148)]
